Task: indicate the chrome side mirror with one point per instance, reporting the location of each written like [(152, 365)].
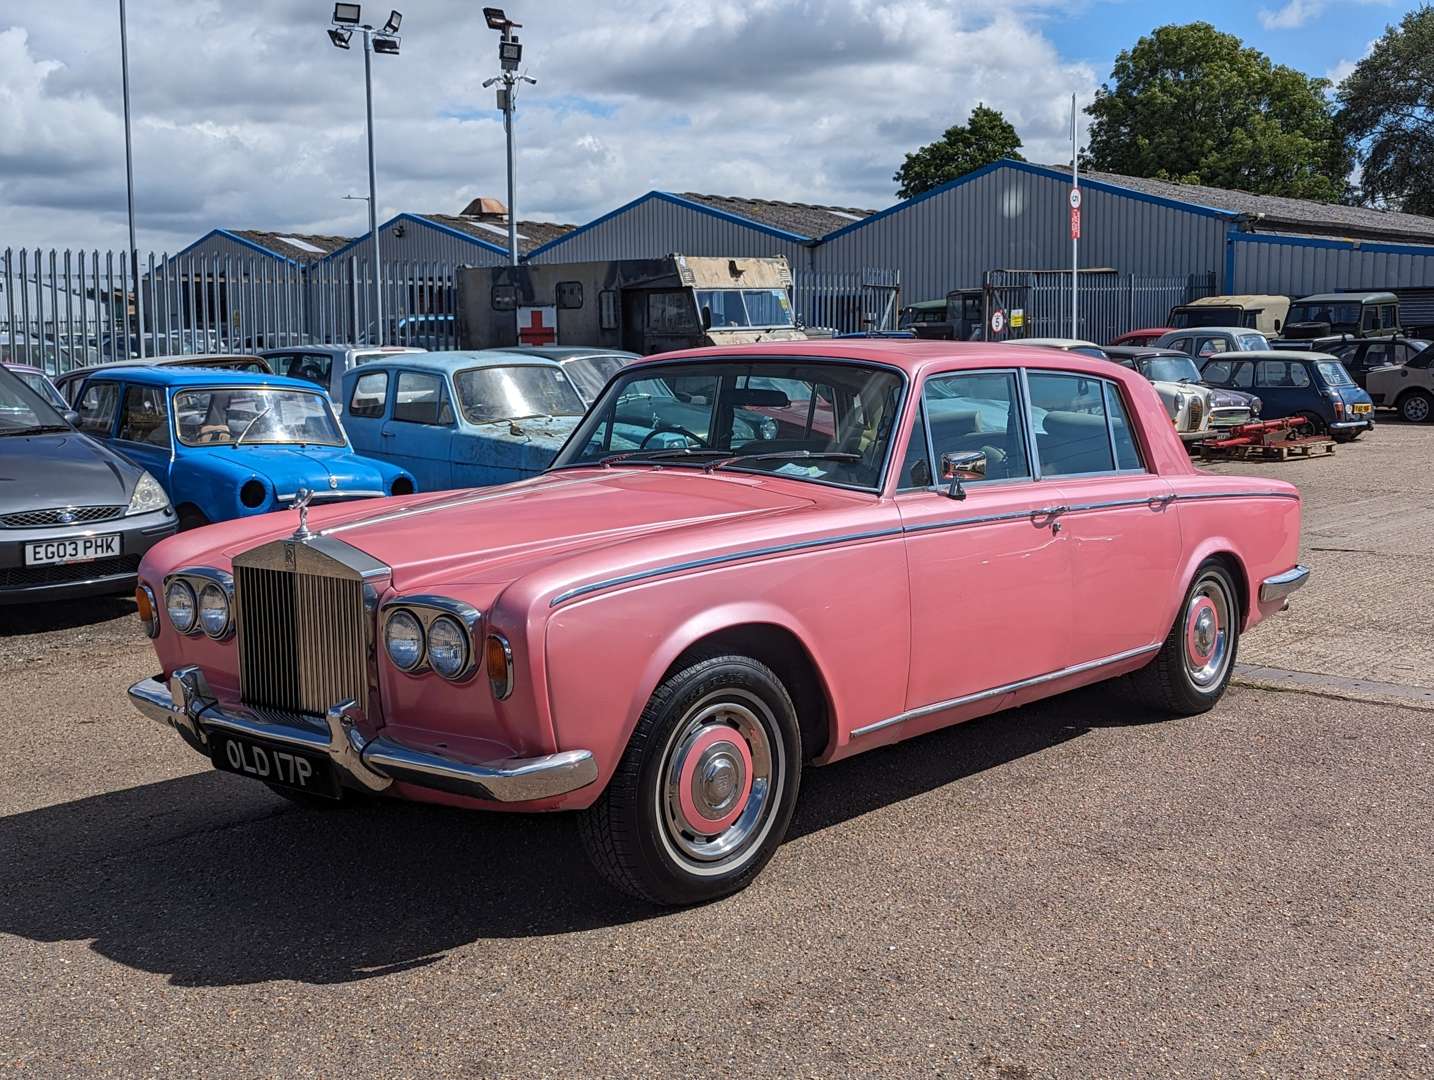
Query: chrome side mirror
[(969, 465)]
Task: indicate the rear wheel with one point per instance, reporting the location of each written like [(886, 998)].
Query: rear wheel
[(706, 789), (1417, 406), (1192, 669), (1314, 423)]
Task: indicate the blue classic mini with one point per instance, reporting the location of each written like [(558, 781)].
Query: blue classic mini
[(462, 419), (227, 444)]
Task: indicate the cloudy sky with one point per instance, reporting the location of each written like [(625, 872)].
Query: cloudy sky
[(246, 116)]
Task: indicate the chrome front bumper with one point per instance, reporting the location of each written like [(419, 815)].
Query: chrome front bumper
[(1280, 586), (186, 705)]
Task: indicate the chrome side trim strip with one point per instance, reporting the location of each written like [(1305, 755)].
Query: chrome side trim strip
[(718, 560), (997, 691), (1197, 496)]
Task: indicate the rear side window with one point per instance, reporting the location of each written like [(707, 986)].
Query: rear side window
[(1127, 456), (370, 392), (420, 399), (145, 418), (97, 408), (1283, 375), (1072, 433)]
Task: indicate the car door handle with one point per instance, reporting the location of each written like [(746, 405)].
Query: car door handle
[(1049, 515), (388, 434), (1160, 502)]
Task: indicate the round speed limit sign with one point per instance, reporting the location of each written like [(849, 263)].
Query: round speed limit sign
[(1075, 198), (998, 321)]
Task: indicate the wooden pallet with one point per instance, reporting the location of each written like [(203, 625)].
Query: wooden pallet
[(1308, 446)]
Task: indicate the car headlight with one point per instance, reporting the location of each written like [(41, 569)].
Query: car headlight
[(447, 647), (1255, 406), (148, 496), (214, 610), (179, 602), (403, 638)]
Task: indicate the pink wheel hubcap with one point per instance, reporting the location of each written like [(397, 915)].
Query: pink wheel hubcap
[(716, 780)]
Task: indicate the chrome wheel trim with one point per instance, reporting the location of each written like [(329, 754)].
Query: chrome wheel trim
[(1207, 624), (1415, 409), (743, 788)]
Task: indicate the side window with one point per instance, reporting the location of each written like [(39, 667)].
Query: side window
[(1127, 455), (370, 392), (916, 467), (1071, 432), (1244, 376), (1369, 319), (980, 412), (1217, 372), (1283, 375), (420, 399), (145, 419), (97, 409), (312, 367), (1182, 344), (1390, 316), (670, 311), (1299, 374), (1211, 346)]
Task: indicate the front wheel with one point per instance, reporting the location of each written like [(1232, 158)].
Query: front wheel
[(706, 789), (1192, 669)]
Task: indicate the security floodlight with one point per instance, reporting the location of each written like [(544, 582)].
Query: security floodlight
[(496, 19), (510, 53), (347, 14), (394, 18), (340, 37), (387, 45)]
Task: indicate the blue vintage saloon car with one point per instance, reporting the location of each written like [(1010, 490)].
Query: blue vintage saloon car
[(462, 419), (1313, 385), (227, 444)]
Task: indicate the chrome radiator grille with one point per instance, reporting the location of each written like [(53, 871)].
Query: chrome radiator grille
[(302, 639)]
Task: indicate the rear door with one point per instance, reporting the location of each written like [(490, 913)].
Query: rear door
[(1123, 534), (419, 431)]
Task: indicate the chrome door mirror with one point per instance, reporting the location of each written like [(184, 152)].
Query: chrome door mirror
[(968, 466)]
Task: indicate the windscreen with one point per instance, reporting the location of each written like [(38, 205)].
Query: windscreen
[(254, 416), (515, 392), (738, 308)]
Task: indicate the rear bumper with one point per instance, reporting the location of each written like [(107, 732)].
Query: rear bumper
[(186, 705), (1363, 424), (1280, 586)]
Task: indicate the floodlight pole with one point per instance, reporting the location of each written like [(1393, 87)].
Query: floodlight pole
[(129, 181), (509, 83), (372, 186), (1075, 238)]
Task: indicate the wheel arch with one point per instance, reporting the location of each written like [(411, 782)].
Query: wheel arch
[(1221, 550), (780, 649)]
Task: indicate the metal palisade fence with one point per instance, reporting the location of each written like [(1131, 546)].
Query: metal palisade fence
[(1109, 304), (65, 309), (848, 301)]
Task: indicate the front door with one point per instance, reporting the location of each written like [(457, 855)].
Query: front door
[(990, 577), (419, 432)]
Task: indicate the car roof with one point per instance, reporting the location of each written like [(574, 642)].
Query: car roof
[(339, 349), (200, 376), (913, 356), (1237, 300), (566, 352), (28, 369), (1055, 342), (176, 360), (1218, 331), (1349, 297), (462, 360), (1143, 352), (1274, 354)]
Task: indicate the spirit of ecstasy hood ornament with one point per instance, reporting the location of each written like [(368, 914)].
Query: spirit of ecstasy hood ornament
[(302, 498)]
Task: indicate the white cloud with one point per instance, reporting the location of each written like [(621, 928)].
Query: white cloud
[(247, 117), (1294, 14)]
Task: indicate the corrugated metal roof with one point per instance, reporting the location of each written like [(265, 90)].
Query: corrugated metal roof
[(531, 234), (804, 219), (1282, 214), (301, 247)]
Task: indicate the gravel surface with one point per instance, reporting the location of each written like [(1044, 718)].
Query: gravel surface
[(1075, 890)]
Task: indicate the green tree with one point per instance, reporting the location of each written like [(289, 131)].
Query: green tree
[(1194, 105), (986, 137), (1387, 110)]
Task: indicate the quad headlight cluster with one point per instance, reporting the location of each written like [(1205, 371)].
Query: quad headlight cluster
[(432, 633), (195, 600)]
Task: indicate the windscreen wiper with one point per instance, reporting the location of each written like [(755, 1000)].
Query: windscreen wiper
[(783, 455), (658, 454), (36, 429)]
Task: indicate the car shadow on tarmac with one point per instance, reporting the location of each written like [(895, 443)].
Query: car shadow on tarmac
[(213, 881), (20, 620)]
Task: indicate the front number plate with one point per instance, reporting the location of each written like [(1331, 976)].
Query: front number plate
[(287, 767), (73, 550)]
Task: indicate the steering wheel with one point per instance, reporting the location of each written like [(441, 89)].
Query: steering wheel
[(674, 429)]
